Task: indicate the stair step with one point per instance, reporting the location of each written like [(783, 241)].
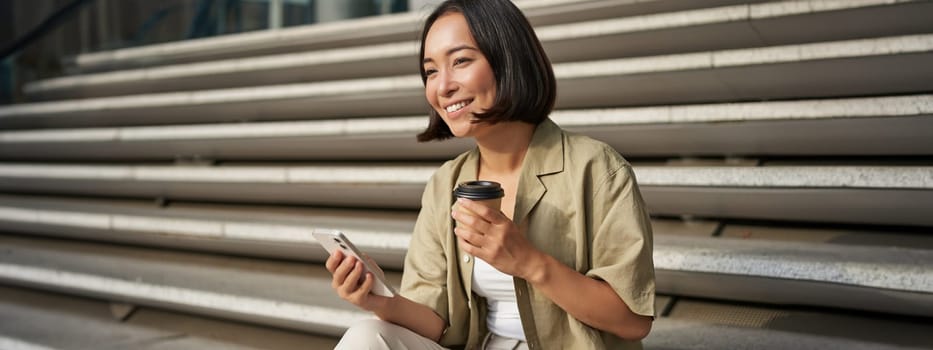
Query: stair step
[(688, 260), (731, 27), (289, 295), (364, 31), (845, 194), (269, 232), (796, 273), (888, 65), (85, 323), (856, 236), (67, 322), (704, 324), (896, 125)]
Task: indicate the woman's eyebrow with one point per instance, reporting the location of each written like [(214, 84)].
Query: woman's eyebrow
[(451, 52)]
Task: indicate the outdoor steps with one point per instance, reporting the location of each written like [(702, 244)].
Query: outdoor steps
[(365, 31), (277, 232), (297, 296), (705, 324), (890, 65), (721, 28), (280, 294), (881, 279), (897, 125), (866, 194), (54, 321), (690, 260)]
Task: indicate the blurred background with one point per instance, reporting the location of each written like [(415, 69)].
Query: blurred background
[(163, 163), (69, 28)]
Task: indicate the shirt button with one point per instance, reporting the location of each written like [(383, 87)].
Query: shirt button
[(466, 258)]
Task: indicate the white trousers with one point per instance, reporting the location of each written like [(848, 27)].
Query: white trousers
[(382, 335)]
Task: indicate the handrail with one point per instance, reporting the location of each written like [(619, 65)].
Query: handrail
[(50, 23)]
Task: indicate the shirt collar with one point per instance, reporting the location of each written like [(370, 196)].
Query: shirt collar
[(545, 156), (546, 151)]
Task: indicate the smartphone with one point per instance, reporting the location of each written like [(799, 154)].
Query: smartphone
[(333, 240)]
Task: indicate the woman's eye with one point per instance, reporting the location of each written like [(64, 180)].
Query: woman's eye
[(461, 60), (429, 72)]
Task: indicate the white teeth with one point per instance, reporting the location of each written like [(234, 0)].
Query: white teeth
[(456, 106)]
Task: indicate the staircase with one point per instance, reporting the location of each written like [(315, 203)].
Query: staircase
[(164, 196)]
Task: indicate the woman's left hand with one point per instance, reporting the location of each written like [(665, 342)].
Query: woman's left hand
[(489, 235)]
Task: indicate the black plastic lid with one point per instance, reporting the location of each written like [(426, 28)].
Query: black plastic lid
[(479, 190)]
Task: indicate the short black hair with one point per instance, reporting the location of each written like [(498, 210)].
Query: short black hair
[(525, 84)]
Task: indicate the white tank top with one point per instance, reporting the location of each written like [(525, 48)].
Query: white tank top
[(502, 316)]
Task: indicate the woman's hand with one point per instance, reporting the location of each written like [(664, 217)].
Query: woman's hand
[(350, 283), (489, 235)]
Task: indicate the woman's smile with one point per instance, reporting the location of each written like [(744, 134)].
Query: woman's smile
[(456, 109), (459, 82)]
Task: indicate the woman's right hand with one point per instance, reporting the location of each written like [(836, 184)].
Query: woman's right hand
[(351, 284)]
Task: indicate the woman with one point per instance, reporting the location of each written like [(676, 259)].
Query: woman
[(566, 263)]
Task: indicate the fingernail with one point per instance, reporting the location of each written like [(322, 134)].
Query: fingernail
[(461, 200)]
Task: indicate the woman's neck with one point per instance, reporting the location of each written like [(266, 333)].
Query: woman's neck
[(502, 149)]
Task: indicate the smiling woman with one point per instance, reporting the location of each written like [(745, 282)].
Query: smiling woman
[(564, 263), (459, 83), (492, 44)]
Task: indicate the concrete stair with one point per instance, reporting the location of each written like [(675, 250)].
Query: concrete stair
[(855, 126), (845, 194), (718, 28), (365, 31), (55, 321), (891, 65), (163, 197), (686, 257), (50, 321)]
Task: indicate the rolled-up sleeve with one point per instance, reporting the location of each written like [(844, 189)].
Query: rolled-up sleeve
[(622, 241), (425, 277)]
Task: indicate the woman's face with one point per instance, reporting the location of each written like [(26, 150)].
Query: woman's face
[(460, 81)]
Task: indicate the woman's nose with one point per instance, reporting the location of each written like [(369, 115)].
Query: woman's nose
[(447, 85)]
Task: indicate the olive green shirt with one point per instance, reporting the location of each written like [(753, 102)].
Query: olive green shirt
[(578, 202)]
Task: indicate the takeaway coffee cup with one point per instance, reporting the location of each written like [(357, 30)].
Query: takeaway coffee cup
[(488, 193)]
